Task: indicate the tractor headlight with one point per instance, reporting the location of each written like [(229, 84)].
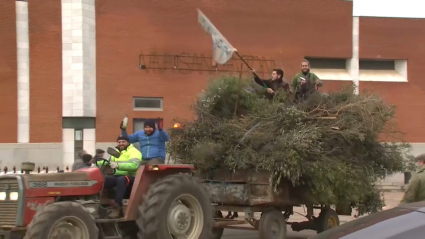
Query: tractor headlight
[(13, 196), (2, 196)]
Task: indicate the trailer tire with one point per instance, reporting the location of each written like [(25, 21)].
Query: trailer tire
[(74, 217), (327, 219), (272, 223), (179, 196), (217, 232)]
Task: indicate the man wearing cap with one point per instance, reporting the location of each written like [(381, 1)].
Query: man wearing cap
[(151, 140), (125, 169), (415, 192)]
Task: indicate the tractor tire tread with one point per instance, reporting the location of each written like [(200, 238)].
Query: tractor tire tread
[(43, 217), (147, 221)]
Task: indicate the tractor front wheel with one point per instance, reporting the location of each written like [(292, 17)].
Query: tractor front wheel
[(62, 220), (176, 207)]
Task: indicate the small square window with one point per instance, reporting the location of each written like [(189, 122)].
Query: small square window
[(147, 104)]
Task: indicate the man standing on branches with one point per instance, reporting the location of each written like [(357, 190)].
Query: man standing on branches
[(275, 83), (416, 189), (305, 83)]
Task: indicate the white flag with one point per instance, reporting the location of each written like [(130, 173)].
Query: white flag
[(222, 49)]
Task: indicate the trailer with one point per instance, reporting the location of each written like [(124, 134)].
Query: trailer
[(249, 191)]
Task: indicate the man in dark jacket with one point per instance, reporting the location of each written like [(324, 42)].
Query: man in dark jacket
[(78, 161), (98, 157), (274, 84), (83, 162)]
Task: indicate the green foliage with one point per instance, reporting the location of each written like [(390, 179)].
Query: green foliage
[(329, 144)]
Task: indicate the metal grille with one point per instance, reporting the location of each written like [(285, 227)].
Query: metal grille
[(8, 209)]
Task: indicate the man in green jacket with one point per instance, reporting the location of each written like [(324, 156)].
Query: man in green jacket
[(126, 167), (305, 83), (415, 192)]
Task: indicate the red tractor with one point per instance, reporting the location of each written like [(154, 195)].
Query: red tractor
[(166, 202)]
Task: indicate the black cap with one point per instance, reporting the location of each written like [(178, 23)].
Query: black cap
[(150, 123), (123, 137)]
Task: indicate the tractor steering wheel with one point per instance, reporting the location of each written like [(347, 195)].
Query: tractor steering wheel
[(106, 169)]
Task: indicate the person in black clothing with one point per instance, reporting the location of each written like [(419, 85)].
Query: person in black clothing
[(275, 83), (84, 163), (99, 156)]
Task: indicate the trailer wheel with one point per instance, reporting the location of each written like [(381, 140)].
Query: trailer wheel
[(62, 220), (327, 219), (177, 207), (217, 233), (272, 225)]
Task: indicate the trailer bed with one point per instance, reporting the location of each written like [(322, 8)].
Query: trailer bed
[(250, 188)]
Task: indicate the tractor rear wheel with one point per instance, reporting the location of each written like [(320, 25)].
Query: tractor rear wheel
[(62, 220), (176, 207)]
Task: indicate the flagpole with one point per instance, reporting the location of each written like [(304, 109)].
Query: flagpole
[(239, 89), (219, 41), (246, 63)]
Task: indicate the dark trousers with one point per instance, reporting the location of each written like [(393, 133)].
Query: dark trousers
[(123, 184), (152, 161)]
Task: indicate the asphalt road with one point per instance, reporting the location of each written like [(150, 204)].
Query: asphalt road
[(245, 234)]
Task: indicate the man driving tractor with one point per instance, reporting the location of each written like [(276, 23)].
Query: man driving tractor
[(125, 167), (151, 141)]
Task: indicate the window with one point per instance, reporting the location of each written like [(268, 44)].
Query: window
[(78, 142), (327, 63), (330, 68), (78, 122), (376, 65), (147, 104), (383, 70)]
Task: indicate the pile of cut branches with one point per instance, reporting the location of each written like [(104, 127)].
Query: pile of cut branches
[(330, 144)]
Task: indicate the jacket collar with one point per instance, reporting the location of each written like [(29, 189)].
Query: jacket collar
[(128, 147)]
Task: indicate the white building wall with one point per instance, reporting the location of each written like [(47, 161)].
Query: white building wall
[(68, 157), (389, 8), (89, 142), (23, 60), (353, 63), (78, 58)]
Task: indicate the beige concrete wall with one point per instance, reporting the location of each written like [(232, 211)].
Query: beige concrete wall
[(52, 155), (43, 155)]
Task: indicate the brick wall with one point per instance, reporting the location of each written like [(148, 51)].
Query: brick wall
[(286, 31), (45, 71), (8, 73), (388, 38)]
